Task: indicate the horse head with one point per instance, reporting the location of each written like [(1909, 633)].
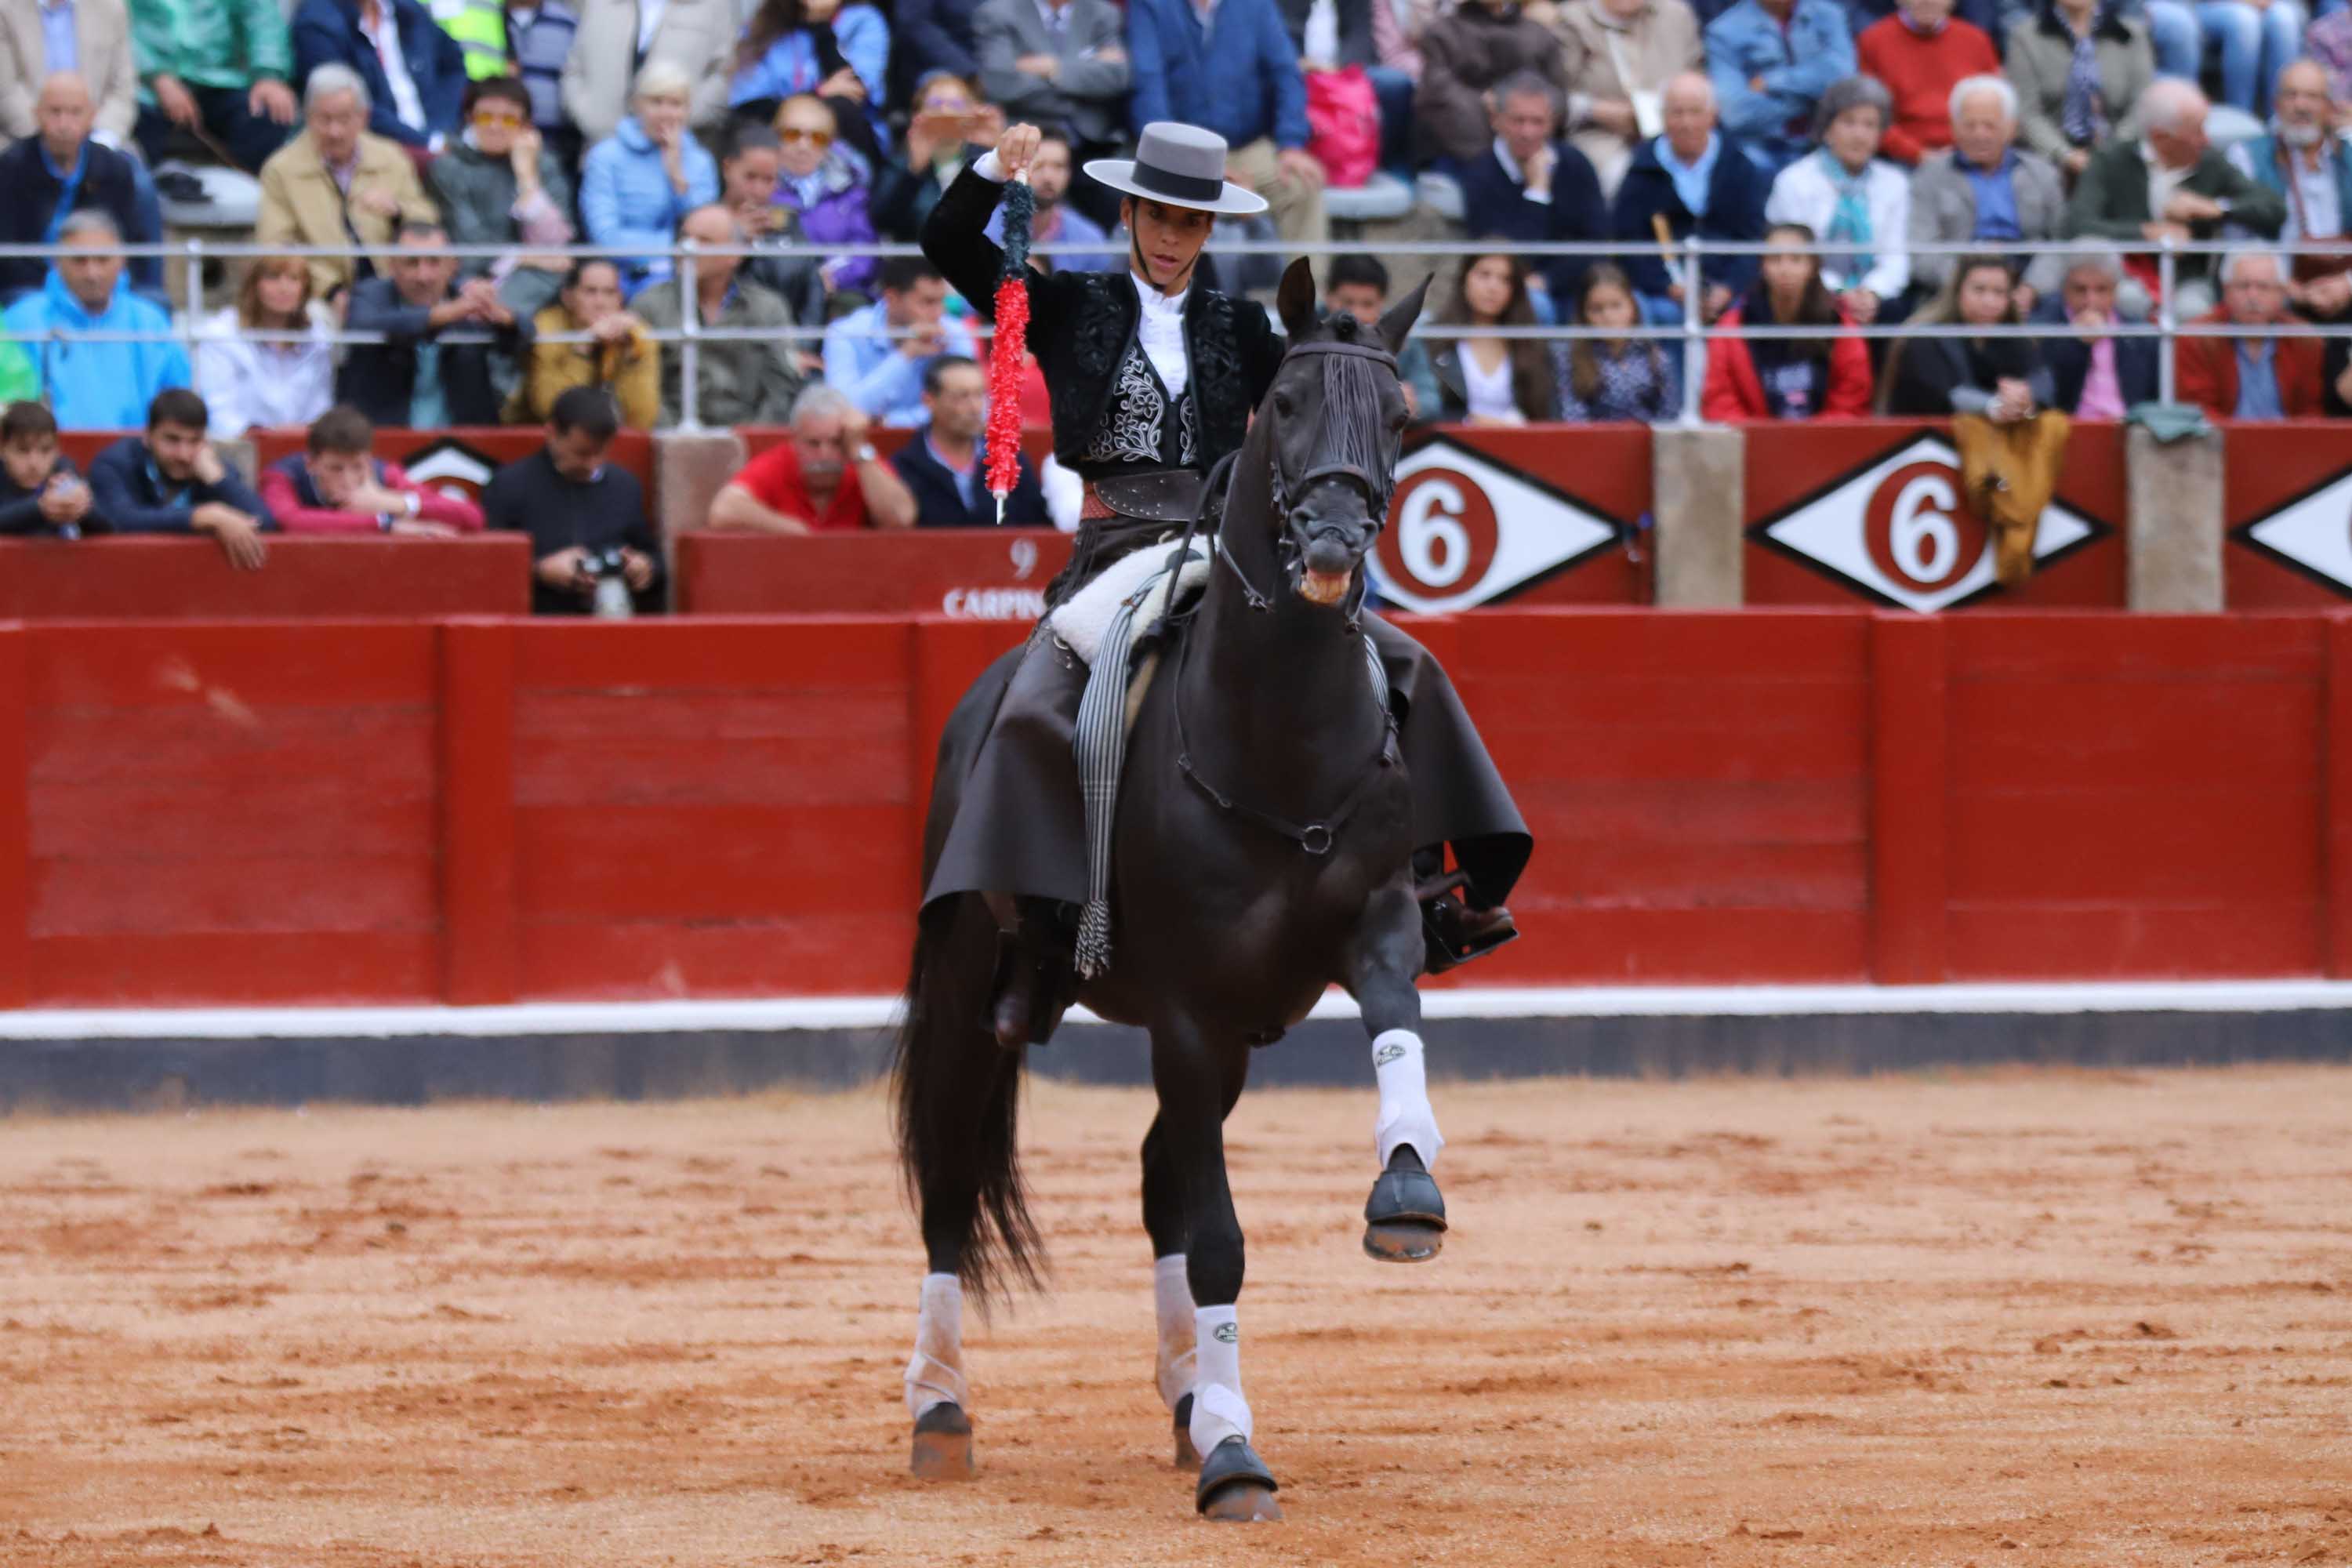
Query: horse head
[(1335, 416)]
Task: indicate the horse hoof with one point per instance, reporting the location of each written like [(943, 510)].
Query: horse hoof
[(942, 1444), (1188, 1457), (1404, 1241), (1235, 1485)]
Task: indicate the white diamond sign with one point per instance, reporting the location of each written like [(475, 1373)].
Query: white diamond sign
[(2313, 533), (1465, 529), (1899, 530)]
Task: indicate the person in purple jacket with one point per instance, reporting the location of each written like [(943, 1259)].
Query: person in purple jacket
[(828, 186)]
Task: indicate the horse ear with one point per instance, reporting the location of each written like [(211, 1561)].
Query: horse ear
[(1297, 300), (1397, 320)]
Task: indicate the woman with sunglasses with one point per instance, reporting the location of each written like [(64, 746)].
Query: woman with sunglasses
[(500, 184), (820, 184), (1154, 376)]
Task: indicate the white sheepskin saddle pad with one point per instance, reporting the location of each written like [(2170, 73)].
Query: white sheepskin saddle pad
[(1151, 578)]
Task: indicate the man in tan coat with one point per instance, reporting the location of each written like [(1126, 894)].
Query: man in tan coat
[(102, 58), (1621, 54), (335, 184)]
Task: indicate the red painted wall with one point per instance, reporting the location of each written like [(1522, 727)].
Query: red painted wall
[(2268, 468), (152, 577), (497, 809), (984, 572)]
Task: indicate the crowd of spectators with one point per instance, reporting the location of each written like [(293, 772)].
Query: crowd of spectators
[(1844, 138)]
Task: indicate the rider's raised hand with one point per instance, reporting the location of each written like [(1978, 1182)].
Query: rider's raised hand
[(1016, 147)]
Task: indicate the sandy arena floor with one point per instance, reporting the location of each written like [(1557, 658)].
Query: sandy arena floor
[(2019, 1319)]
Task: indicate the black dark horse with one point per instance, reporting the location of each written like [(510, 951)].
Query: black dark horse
[(1263, 852)]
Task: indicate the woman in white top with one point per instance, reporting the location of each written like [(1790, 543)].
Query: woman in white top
[(249, 384), (1847, 194), (1486, 380)]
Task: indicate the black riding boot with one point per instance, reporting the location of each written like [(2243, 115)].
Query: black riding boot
[(1456, 930), (1036, 975)]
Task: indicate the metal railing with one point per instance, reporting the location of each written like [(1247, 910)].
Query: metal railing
[(1687, 257)]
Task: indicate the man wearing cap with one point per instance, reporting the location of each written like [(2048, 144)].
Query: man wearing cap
[(1153, 380)]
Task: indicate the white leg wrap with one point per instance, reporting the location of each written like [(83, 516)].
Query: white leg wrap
[(1219, 1411), (1172, 1304), (935, 1371), (1405, 1115)]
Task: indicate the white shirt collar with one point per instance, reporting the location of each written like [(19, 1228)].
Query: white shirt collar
[(1155, 303)]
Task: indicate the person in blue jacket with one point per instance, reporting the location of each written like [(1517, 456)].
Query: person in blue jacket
[(102, 385), (638, 183), (1240, 78), (172, 480), (1771, 61), (418, 104)]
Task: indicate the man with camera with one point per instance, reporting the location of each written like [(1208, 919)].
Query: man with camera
[(590, 546)]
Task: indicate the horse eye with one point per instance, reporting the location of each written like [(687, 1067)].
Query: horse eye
[(1282, 402)]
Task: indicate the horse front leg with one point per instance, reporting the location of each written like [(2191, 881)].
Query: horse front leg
[(1404, 1218), (1197, 1077), (1165, 1222)]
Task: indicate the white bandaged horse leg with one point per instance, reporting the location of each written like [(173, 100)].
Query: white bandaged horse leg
[(1172, 1304), (1219, 1411), (1405, 1114), (935, 1371)]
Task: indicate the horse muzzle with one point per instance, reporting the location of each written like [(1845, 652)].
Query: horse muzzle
[(1330, 531)]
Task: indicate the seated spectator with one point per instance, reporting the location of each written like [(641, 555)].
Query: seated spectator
[(1619, 55), (2004, 379), (1985, 191), (1921, 54), (1771, 61), (336, 183), (745, 381), (825, 189), (2079, 67), (412, 380), (499, 184), (623, 359), (338, 485), (1787, 378), (104, 384), (248, 380), (92, 38), (539, 39), (480, 29), (883, 376), (2253, 40), (415, 73), (216, 69), (2328, 41), (640, 181), (2094, 375), (1358, 284), (1846, 194), (1055, 221), (2251, 377), (930, 35), (945, 465), (62, 170), (748, 177), (1608, 379), (172, 480), (1239, 76), (1464, 56), (1486, 380), (950, 128), (825, 479), (839, 52), (1527, 185), (40, 489), (575, 505), (1053, 63), (2202, 191), (2301, 158), (695, 36), (1692, 179), (1987, 16)]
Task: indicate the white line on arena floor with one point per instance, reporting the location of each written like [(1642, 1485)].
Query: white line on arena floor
[(540, 1018)]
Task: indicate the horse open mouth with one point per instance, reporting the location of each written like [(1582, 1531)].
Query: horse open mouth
[(1324, 587)]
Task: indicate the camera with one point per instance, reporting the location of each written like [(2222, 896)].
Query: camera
[(607, 567)]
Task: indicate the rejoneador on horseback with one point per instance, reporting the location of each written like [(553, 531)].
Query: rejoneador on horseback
[(1207, 787)]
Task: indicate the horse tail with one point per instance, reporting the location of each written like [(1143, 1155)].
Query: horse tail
[(958, 1106)]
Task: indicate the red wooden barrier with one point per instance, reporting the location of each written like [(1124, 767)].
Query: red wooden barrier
[(166, 578), (463, 458), (2287, 507), (978, 574)]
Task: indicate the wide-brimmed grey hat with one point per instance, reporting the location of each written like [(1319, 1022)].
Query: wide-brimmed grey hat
[(1182, 165)]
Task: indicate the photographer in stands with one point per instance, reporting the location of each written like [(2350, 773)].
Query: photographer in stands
[(591, 545)]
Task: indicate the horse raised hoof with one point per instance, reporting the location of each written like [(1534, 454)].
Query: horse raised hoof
[(1235, 1485), (1404, 1219), (1188, 1457), (942, 1444)]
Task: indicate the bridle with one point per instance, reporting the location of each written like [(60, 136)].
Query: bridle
[(1291, 548)]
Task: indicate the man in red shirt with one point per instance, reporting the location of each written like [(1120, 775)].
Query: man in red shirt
[(1922, 53), (339, 487), (826, 478)]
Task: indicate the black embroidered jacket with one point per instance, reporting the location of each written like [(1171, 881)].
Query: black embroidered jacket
[(1082, 325)]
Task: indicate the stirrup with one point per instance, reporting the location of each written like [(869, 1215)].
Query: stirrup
[(1450, 937)]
